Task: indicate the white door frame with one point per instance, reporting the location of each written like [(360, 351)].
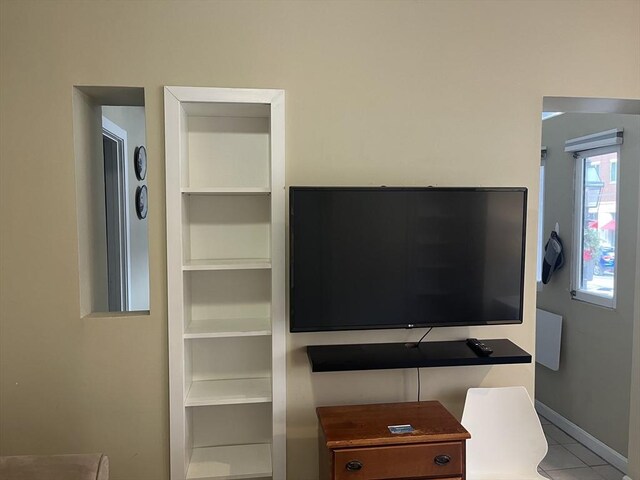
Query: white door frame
[(119, 135)]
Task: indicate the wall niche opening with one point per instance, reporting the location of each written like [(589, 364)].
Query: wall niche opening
[(109, 133)]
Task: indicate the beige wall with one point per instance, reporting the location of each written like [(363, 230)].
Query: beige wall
[(396, 93), (592, 386)]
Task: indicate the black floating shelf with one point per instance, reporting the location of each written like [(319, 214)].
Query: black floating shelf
[(377, 356)]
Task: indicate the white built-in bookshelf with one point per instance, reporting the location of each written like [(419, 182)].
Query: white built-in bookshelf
[(226, 281)]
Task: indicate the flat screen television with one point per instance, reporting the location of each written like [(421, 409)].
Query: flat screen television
[(387, 257)]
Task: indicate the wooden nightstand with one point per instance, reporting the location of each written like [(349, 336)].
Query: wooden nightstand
[(356, 443)]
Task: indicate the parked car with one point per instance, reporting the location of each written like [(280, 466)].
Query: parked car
[(606, 262)]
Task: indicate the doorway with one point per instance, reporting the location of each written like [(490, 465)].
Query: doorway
[(114, 147), (591, 198)]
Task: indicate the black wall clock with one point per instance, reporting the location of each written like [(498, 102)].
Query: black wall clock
[(140, 162), (141, 202)]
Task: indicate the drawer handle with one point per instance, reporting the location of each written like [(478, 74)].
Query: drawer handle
[(354, 465), (442, 459)]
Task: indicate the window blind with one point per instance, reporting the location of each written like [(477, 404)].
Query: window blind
[(595, 140)]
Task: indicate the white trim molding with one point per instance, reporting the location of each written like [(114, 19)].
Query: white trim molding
[(592, 443)]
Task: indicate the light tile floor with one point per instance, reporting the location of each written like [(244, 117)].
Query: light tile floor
[(568, 459)]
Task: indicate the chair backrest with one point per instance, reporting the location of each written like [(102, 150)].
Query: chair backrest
[(506, 435)]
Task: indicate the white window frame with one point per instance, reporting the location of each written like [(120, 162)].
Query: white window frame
[(578, 226), (611, 164)]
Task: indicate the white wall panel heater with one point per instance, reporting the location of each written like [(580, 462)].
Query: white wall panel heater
[(548, 339)]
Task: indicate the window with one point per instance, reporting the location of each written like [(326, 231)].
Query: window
[(613, 171), (546, 115), (596, 203)]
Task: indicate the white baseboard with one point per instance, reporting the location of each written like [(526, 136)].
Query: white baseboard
[(626, 478), (592, 443)]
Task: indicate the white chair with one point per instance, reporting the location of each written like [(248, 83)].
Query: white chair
[(507, 441)]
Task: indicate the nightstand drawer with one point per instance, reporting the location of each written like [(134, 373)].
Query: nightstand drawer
[(442, 460)]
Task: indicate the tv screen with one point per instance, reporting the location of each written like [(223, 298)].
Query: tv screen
[(369, 258)]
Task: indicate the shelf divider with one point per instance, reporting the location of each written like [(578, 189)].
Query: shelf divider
[(227, 264), (229, 392), (228, 327), (226, 190)]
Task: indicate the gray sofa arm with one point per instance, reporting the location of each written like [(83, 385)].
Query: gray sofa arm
[(55, 467)]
